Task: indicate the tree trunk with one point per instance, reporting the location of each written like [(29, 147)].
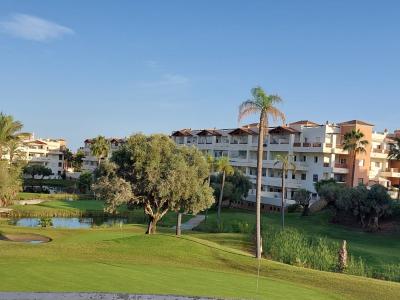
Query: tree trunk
[(342, 263), (178, 223), (221, 194), (353, 171), (283, 200), (152, 226), (209, 183), (260, 150)]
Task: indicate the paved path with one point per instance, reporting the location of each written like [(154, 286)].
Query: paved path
[(192, 223), (90, 296)]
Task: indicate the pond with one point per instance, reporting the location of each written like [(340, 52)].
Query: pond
[(71, 222)]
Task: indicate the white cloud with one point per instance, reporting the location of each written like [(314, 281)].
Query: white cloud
[(33, 28)]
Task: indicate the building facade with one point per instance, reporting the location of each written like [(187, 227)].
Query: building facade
[(46, 152), (315, 149)]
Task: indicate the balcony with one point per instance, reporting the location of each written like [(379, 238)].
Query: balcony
[(391, 172)]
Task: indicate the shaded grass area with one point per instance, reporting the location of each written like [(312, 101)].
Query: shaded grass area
[(79, 208), (126, 260), (62, 196), (376, 249)]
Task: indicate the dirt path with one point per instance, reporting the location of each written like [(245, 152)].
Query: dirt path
[(90, 296)]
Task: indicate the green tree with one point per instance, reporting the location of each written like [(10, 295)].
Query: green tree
[(68, 158), (263, 104), (99, 147), (77, 160), (302, 197), (285, 165), (224, 167), (10, 182), (85, 181), (162, 176), (211, 169), (394, 151), (40, 170), (14, 151), (354, 143)]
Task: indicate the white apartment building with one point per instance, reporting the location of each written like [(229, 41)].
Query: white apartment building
[(90, 162), (315, 149), (46, 152)]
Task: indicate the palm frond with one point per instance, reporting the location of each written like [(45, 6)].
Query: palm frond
[(276, 114), (247, 108)]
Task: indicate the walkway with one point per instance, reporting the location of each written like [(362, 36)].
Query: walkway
[(192, 223)]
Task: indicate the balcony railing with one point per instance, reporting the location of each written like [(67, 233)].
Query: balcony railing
[(338, 165), (316, 145), (296, 144), (326, 165), (328, 145)]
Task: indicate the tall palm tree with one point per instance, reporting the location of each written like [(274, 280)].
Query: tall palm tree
[(224, 167), (263, 104), (9, 131), (14, 151), (354, 143), (285, 164), (99, 148)]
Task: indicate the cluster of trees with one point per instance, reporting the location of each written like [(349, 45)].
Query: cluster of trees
[(361, 204), (72, 160), (155, 173), (10, 170), (37, 170)]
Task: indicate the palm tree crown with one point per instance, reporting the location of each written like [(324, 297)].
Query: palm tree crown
[(9, 131), (263, 104), (99, 148), (223, 166)]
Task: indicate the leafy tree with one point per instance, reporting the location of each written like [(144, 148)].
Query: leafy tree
[(40, 170), (263, 104), (224, 167), (378, 204), (394, 151), (285, 164), (14, 151), (99, 148), (68, 158), (236, 186), (355, 144), (10, 182), (85, 181), (162, 177), (322, 182), (303, 197)]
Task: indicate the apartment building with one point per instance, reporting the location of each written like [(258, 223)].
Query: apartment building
[(315, 149), (90, 162), (46, 152)]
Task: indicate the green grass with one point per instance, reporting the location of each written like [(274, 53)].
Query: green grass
[(62, 196), (126, 260), (65, 208), (376, 249)]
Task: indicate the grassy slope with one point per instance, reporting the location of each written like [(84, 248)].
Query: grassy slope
[(110, 259), (375, 248)]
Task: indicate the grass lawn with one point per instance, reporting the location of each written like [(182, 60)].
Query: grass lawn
[(126, 260), (375, 248)]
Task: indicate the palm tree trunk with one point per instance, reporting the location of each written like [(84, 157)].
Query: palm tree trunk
[(260, 150), (283, 200), (209, 183), (221, 194), (178, 224), (353, 171)]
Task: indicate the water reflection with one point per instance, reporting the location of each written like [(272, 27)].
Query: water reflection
[(72, 222)]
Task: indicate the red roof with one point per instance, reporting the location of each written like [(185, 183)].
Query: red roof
[(355, 122), (283, 130), (209, 132), (305, 123), (242, 131), (182, 132)]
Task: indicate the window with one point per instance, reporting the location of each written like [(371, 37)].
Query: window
[(303, 176), (60, 157), (59, 172), (60, 164), (295, 158), (315, 178), (316, 159), (377, 164), (360, 180), (293, 176), (342, 161), (361, 163)]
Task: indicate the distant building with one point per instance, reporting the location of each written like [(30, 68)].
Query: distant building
[(90, 162), (316, 149), (46, 152)]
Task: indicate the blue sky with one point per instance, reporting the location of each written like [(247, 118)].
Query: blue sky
[(76, 69)]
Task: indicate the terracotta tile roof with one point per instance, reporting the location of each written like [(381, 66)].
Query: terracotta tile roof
[(242, 131), (182, 132), (305, 123), (283, 130), (209, 132), (35, 142), (355, 122)]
